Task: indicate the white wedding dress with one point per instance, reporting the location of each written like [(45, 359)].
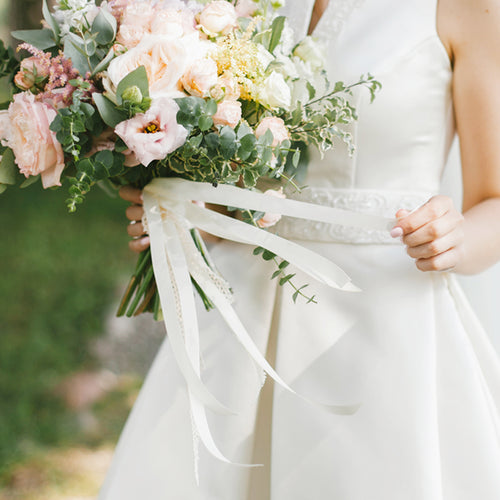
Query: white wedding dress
[(408, 347)]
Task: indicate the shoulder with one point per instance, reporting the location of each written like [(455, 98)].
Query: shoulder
[(468, 25)]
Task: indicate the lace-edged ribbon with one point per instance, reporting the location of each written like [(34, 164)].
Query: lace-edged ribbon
[(170, 217)]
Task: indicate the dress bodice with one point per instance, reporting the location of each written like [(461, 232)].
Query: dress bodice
[(403, 138)]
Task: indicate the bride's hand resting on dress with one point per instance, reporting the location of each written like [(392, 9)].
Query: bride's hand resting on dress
[(433, 234)]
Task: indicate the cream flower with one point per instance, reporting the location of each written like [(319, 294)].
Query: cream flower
[(166, 60), (228, 113), (218, 17), (154, 134), (275, 92), (24, 128), (200, 77)]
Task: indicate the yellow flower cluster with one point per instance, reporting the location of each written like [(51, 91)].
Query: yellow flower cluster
[(239, 57)]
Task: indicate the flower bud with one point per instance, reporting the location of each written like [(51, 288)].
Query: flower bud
[(133, 94)]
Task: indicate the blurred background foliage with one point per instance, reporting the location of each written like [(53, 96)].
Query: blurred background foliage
[(61, 410)]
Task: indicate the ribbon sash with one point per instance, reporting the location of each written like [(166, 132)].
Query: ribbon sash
[(170, 215)]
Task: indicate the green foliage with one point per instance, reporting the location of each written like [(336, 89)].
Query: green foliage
[(41, 39), (322, 120)]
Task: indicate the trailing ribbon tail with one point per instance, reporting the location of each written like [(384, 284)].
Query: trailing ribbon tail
[(170, 215)]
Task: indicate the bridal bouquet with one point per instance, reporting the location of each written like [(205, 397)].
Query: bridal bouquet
[(190, 101), (128, 91)]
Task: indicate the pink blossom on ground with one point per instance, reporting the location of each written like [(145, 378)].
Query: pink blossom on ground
[(35, 147), (276, 126), (269, 219), (228, 113), (154, 134)]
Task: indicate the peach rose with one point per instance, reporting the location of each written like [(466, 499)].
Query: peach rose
[(268, 219), (31, 69), (25, 130), (226, 87), (165, 59), (276, 126), (228, 113), (135, 23), (154, 134), (218, 17), (200, 77)]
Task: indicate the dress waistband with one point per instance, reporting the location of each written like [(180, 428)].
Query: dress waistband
[(374, 202)]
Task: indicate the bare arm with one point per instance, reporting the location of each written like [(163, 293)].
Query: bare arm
[(437, 237)]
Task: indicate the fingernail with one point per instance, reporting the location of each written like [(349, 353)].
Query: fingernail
[(396, 232), (141, 197), (146, 240)]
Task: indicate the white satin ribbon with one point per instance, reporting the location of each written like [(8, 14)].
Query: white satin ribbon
[(170, 215)]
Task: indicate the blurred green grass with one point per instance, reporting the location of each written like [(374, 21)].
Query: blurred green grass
[(58, 279)]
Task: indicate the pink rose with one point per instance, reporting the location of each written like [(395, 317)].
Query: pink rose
[(200, 77), (228, 113), (246, 8), (154, 134), (276, 126), (25, 130), (268, 220), (31, 69), (218, 17)]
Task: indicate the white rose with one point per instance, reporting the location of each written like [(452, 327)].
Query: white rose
[(201, 77), (218, 17), (310, 52), (173, 22), (165, 59), (275, 92)]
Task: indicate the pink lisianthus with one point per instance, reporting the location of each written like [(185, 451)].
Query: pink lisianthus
[(276, 126), (268, 219), (25, 130), (154, 134), (228, 113)]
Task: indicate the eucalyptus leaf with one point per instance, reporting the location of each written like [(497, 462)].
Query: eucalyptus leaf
[(29, 181), (8, 168), (137, 78), (103, 65), (41, 39), (276, 32), (47, 15), (74, 49), (110, 115), (104, 27)]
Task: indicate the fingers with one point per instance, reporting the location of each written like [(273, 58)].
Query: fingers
[(139, 245), (433, 234), (135, 229), (134, 212), (129, 193)]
